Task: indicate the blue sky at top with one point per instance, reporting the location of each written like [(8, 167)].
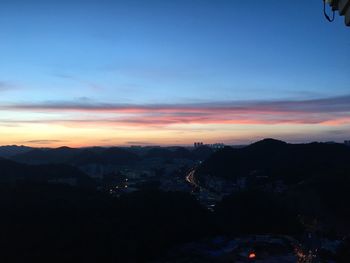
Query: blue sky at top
[(171, 51)]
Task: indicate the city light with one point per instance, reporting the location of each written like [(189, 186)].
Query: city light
[(252, 255)]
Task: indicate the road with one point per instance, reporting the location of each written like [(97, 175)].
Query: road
[(190, 178)]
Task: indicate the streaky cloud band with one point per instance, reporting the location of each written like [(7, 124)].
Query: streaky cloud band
[(329, 104), (329, 111)]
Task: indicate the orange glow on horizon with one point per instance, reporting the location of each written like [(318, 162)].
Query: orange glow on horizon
[(173, 126), (56, 135)]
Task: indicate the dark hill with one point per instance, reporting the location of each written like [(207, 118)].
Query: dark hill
[(13, 172), (170, 153), (276, 159), (202, 153), (159, 153), (66, 155), (42, 156), (267, 144), (118, 156), (11, 150)]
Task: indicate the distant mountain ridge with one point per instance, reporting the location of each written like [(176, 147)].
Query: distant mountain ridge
[(276, 159), (13, 172), (106, 156), (11, 150), (76, 156)]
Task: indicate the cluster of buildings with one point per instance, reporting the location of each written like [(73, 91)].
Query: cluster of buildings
[(214, 145)]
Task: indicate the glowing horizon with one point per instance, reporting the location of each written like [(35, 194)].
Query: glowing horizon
[(88, 123)]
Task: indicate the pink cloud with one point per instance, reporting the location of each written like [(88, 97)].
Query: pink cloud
[(326, 111)]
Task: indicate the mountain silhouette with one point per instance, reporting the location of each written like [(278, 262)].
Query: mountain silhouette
[(276, 159)]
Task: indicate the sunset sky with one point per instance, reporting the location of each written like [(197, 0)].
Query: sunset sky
[(109, 72)]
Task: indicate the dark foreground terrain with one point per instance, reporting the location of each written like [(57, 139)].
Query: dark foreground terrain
[(267, 202)]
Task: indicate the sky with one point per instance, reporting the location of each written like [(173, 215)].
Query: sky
[(135, 72)]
